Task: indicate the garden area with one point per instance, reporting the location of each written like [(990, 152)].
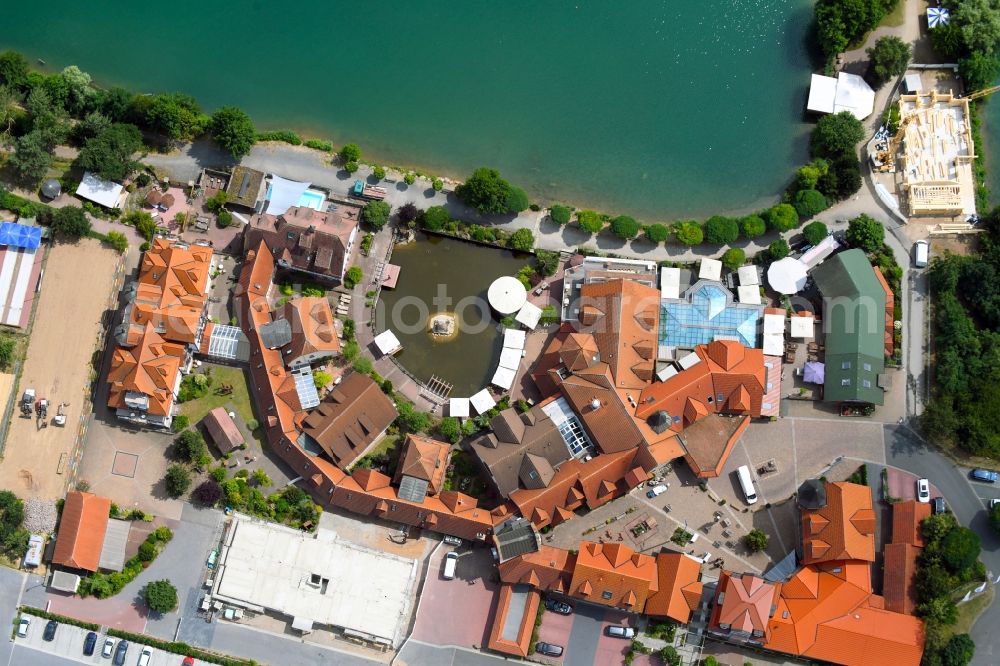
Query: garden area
[(217, 386)]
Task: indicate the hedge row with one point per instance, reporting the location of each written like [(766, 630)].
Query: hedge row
[(90, 626), (182, 649)]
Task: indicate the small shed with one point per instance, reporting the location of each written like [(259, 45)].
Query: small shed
[(387, 343), (711, 269), (529, 315), (223, 430), (64, 582), (458, 407), (102, 192)]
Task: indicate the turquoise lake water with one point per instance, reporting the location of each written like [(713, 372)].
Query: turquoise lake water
[(660, 109)]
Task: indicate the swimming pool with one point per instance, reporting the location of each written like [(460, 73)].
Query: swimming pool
[(309, 199)]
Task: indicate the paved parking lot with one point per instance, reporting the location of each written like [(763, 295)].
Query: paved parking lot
[(471, 596), (68, 644)]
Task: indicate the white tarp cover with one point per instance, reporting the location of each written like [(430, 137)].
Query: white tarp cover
[(802, 327), (458, 407), (284, 194), (504, 378), (854, 95), (514, 338), (529, 315), (510, 358), (482, 402), (102, 192), (748, 294), (819, 252), (774, 334), (822, 93), (748, 275), (913, 83), (787, 276), (711, 269), (670, 282), (387, 343)]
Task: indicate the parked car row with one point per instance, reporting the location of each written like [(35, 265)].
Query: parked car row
[(109, 650)]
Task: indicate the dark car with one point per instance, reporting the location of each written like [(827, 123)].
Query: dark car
[(89, 643), (558, 607), (548, 649), (938, 505), (120, 651), (50, 630), (984, 475)]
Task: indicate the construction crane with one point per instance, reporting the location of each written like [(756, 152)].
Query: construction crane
[(983, 93)]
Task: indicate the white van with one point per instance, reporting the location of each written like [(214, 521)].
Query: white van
[(450, 562), (921, 252), (746, 484)]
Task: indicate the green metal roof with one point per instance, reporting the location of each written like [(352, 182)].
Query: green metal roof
[(854, 326)]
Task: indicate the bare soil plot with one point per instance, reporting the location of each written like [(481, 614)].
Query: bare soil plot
[(76, 293)]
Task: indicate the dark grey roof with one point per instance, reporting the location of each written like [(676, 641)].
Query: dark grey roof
[(812, 494), (783, 570), (659, 421), (515, 537), (277, 333), (51, 188), (412, 489)]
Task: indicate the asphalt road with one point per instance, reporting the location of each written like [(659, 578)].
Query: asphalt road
[(583, 637), (417, 653), (267, 648), (11, 583), (22, 656), (903, 448)]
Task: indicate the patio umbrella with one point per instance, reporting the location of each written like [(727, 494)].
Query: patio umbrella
[(51, 188), (167, 200), (154, 197), (937, 16), (787, 276), (813, 372)]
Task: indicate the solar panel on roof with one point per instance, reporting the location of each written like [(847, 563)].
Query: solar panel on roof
[(305, 387), (224, 342), (412, 489)]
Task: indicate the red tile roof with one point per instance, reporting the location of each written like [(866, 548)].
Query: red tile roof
[(222, 429), (613, 575), (520, 644), (844, 529), (906, 518), (82, 526), (899, 570), (678, 587), (304, 239), (150, 365), (743, 605), (424, 458)]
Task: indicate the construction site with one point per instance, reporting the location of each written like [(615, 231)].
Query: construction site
[(928, 159)]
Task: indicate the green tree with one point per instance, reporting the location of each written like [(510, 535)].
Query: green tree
[(378, 172), (13, 69), (657, 233), (143, 222), (13, 537), (755, 540), (808, 175), (753, 226), (809, 203), (560, 214), (352, 277), (80, 96), (625, 227), (590, 221), (435, 218), (522, 240), (933, 582), (814, 232), (363, 365), (350, 167), (958, 651), (978, 70), (411, 420), (410, 178), (960, 549), (321, 378), (223, 219), (31, 158), (109, 154), (546, 262), (437, 184), (721, 230), (232, 128), (260, 478), (177, 481), (349, 153), (517, 200), (8, 348), (889, 57), (782, 217), (92, 125), (842, 179), (836, 134), (668, 655), (733, 258), (486, 191), (376, 214), (940, 610), (450, 429), (778, 249), (994, 510), (115, 103), (175, 115), (190, 446), (688, 233), (866, 233), (69, 222), (160, 596), (979, 23), (209, 491)]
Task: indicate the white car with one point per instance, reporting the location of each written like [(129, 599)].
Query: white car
[(656, 490), (22, 627), (923, 491), (109, 647), (144, 657)]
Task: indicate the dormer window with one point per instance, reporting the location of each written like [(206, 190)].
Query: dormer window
[(606, 594)]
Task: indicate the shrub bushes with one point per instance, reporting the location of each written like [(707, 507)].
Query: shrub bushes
[(280, 135), (560, 214), (657, 233), (688, 233), (625, 227), (782, 217), (814, 233), (435, 218), (590, 221), (778, 249), (809, 203), (353, 277), (753, 226), (317, 144), (733, 258), (721, 230)]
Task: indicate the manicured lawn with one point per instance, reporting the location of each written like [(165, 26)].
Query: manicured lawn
[(196, 410)]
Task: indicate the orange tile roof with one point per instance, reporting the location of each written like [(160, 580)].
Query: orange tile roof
[(899, 569), (519, 643), (827, 612), (708, 443), (151, 366), (171, 290), (842, 530), (906, 518), (313, 331), (424, 458), (743, 605), (82, 526), (548, 568), (613, 575), (678, 587)]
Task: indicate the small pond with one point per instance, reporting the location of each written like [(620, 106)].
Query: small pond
[(446, 275)]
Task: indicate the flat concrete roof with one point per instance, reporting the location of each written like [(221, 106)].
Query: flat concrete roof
[(322, 578)]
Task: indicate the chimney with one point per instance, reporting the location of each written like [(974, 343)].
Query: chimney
[(595, 404)]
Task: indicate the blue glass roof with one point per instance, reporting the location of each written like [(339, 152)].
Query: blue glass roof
[(20, 235), (708, 313)]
